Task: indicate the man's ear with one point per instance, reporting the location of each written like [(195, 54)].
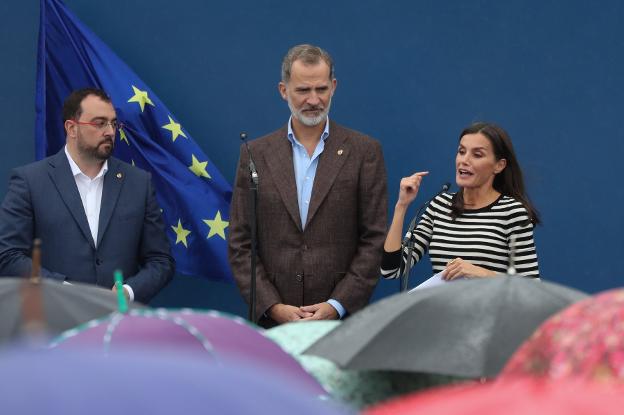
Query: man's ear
[(70, 128), (281, 87)]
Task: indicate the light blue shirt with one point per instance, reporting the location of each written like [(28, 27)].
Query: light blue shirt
[(305, 172), (305, 169)]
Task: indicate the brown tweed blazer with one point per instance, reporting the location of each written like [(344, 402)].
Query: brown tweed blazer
[(338, 254)]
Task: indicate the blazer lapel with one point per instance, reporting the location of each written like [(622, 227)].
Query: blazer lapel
[(61, 175), (331, 161), (279, 158), (113, 181)]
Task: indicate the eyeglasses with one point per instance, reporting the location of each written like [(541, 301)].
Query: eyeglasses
[(101, 124)]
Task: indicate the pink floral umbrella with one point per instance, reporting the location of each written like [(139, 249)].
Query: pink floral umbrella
[(584, 340), (519, 396)]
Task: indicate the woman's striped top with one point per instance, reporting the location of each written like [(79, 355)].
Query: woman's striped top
[(480, 236)]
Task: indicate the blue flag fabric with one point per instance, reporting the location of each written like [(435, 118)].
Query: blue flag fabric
[(195, 198)]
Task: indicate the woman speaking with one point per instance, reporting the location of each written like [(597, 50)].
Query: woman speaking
[(471, 233)]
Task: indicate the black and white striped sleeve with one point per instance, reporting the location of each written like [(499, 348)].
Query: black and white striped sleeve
[(393, 263)]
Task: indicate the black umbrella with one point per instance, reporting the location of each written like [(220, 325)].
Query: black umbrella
[(53, 306), (465, 328)]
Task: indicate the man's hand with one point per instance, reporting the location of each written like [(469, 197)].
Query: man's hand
[(320, 311), (125, 291), (283, 313)]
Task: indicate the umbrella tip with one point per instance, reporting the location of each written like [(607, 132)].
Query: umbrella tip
[(122, 301), (33, 326), (35, 273)]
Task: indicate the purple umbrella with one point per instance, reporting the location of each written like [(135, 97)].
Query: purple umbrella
[(209, 334), (83, 382)]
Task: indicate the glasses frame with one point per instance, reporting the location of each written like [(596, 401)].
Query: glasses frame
[(118, 125)]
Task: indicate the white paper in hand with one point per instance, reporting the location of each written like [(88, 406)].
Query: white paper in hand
[(433, 281)]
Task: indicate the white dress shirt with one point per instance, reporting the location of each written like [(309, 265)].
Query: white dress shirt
[(91, 195)]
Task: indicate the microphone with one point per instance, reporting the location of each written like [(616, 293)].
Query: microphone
[(412, 225), (252, 166)]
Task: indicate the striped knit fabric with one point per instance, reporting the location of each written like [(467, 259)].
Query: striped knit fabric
[(480, 236)]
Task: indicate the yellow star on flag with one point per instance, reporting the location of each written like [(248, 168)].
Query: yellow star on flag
[(199, 168), (123, 136), (181, 233), (140, 97), (175, 128), (217, 226)]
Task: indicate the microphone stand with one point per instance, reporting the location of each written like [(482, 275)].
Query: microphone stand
[(253, 202), (409, 244), (511, 267)]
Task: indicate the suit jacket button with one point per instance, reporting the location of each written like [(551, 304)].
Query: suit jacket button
[(304, 247), (98, 261), (299, 278)]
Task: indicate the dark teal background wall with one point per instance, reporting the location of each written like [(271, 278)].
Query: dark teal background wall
[(410, 73)]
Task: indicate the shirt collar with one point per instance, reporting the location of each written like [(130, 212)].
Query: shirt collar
[(76, 170), (291, 133)]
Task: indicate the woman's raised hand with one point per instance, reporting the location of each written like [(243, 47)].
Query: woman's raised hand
[(409, 188)]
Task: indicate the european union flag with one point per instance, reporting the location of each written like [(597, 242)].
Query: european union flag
[(195, 198)]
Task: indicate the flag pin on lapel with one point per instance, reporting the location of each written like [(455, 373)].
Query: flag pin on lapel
[(340, 152), (119, 175)]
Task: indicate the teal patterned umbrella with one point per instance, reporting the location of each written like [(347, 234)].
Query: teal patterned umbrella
[(356, 388)]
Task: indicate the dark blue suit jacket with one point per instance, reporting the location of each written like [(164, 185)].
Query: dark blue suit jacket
[(43, 202)]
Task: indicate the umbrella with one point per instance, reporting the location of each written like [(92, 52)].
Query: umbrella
[(353, 387), (511, 397), (586, 340), (212, 335), (466, 328), (82, 382), (58, 306)]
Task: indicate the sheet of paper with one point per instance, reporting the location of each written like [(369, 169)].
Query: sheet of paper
[(431, 282)]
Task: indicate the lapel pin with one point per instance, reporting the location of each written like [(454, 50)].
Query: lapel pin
[(340, 152), (119, 175)]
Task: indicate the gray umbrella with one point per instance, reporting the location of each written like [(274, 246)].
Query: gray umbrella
[(465, 328), (56, 307)]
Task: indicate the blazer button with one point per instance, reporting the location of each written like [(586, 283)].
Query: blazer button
[(304, 247), (98, 261), (299, 278)]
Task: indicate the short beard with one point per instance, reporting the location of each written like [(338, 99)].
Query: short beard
[(95, 153), (309, 121)]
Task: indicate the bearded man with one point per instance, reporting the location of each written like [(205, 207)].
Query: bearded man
[(93, 213), (321, 207)]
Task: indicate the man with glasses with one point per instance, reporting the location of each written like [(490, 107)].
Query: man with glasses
[(93, 213)]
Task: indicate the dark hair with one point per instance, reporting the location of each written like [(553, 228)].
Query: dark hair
[(72, 108), (508, 182), (308, 54)]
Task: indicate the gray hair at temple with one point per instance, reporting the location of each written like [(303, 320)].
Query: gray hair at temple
[(309, 55)]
